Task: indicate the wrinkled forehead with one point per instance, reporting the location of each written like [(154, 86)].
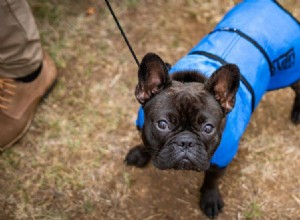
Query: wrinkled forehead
[(188, 99)]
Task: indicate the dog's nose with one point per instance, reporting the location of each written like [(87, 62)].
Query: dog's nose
[(186, 143)]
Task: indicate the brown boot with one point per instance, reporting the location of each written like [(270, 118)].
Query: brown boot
[(18, 102)]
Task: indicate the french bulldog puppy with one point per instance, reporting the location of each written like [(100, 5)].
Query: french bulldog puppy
[(202, 106), (185, 117)]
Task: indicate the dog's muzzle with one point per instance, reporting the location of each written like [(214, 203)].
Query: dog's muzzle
[(183, 152)]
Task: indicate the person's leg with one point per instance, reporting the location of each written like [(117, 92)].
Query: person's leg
[(20, 47), (26, 72)]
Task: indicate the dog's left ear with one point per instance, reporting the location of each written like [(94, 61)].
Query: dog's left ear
[(223, 84), (153, 77)]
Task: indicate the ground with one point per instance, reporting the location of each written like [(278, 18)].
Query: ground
[(70, 164)]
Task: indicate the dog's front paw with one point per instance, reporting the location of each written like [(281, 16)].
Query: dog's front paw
[(211, 202), (138, 157)]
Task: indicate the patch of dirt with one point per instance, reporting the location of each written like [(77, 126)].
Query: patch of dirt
[(70, 164)]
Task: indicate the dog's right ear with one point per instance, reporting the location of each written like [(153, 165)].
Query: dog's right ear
[(153, 77)]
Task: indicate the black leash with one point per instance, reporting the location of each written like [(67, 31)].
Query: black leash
[(122, 32)]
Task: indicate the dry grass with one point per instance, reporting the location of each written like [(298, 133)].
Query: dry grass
[(70, 164)]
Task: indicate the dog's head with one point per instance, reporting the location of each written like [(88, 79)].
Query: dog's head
[(185, 113)]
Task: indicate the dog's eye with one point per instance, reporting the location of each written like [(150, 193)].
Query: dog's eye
[(208, 128), (162, 124)]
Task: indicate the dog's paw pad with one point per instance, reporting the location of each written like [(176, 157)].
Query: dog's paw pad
[(211, 203), (137, 157)]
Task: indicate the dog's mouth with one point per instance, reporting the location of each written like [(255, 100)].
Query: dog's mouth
[(187, 164), (184, 164), (170, 158)]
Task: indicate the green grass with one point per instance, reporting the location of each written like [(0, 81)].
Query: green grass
[(253, 211)]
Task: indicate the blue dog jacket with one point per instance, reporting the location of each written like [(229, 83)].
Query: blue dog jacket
[(263, 40)]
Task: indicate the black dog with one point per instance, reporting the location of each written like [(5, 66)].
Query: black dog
[(185, 115)]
